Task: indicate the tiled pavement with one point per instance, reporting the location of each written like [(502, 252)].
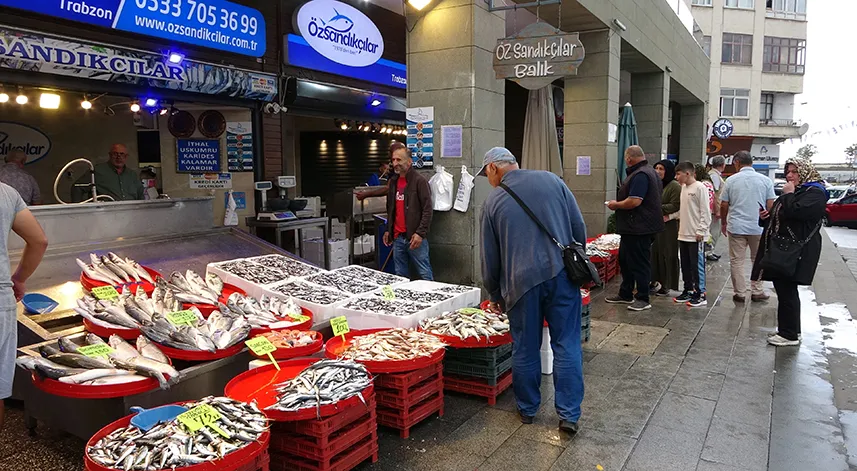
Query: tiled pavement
[(712, 397)]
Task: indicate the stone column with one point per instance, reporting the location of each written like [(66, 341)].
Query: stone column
[(450, 56), (591, 104), (650, 98), (693, 133)]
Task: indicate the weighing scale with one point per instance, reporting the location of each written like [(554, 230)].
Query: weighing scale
[(273, 216)]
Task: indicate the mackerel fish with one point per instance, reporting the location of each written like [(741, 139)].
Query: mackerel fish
[(323, 382), (467, 323), (392, 344)]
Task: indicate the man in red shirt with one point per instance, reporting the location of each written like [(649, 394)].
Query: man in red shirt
[(409, 211)]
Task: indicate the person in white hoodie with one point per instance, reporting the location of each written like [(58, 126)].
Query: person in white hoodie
[(694, 222)]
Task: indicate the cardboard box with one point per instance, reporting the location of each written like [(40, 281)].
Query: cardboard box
[(337, 229)]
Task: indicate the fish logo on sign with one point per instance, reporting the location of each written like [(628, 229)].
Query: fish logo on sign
[(339, 19)]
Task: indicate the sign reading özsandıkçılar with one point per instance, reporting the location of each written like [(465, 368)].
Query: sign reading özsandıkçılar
[(27, 139), (215, 24), (198, 155), (25, 50), (538, 55)]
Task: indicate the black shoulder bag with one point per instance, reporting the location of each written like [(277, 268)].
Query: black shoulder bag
[(784, 253), (578, 267)]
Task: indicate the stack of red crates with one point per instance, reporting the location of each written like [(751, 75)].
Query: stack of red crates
[(406, 399), (485, 372), (336, 443)]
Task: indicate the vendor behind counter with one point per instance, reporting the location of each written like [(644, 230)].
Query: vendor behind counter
[(112, 178)]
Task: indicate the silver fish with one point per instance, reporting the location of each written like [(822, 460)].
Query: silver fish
[(140, 270), (94, 274), (214, 282), (323, 382), (93, 374), (150, 350), (45, 367)]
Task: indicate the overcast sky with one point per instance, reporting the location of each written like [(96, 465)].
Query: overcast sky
[(830, 81)]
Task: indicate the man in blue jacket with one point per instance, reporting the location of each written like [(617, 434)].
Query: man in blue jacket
[(524, 274)]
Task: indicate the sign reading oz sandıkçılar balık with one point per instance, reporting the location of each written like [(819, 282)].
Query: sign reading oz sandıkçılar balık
[(538, 55)]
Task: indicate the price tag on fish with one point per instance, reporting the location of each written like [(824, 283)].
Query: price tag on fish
[(186, 317), (105, 292), (97, 350), (201, 416), (339, 326), (299, 318), (388, 293), (260, 346)]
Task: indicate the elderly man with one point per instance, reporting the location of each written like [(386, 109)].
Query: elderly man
[(718, 165), (14, 175), (409, 212), (745, 194), (112, 178), (524, 275), (639, 218)]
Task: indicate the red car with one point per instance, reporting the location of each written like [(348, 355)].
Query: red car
[(842, 212)]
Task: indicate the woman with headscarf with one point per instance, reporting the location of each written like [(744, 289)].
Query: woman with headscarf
[(791, 234), (665, 266)]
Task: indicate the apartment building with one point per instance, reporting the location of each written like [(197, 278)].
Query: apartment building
[(758, 58)]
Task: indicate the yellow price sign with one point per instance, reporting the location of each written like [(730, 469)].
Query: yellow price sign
[(97, 350), (186, 317), (299, 317), (261, 346), (387, 293), (201, 416), (339, 326), (105, 292)]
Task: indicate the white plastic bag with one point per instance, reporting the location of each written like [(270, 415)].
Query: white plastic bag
[(231, 217), (441, 189), (465, 187)]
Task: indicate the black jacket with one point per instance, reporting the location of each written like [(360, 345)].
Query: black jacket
[(801, 212), (647, 218), (418, 204)]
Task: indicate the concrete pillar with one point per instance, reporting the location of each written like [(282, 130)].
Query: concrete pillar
[(650, 97), (591, 104), (693, 133), (450, 54)]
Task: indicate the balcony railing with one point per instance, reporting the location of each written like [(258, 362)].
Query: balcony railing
[(786, 15), (779, 122)]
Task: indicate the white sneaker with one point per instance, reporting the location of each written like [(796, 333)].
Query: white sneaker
[(799, 336), (778, 341)]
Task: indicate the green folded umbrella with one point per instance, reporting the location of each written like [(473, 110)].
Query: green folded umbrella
[(626, 137)]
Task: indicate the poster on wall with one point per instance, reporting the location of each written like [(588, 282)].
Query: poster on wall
[(210, 181), (451, 142), (421, 135), (197, 155), (239, 146)]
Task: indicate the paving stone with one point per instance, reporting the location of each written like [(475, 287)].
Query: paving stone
[(520, 453), (658, 363), (687, 413), (693, 382), (711, 466), (623, 415), (596, 391), (707, 360), (483, 433), (737, 444), (666, 449), (634, 339), (544, 429), (746, 401), (599, 330), (592, 448), (608, 364)]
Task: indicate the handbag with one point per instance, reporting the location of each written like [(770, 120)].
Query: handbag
[(580, 270), (784, 253)]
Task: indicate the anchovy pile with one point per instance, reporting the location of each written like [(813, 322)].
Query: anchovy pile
[(342, 282), (309, 293), (191, 288), (286, 265), (323, 382), (125, 365), (252, 272), (607, 242), (593, 251), (113, 269), (454, 289), (385, 307), (170, 445), (393, 344), (466, 324), (221, 330), (267, 312), (424, 297), (371, 276)]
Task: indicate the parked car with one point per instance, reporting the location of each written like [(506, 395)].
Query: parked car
[(837, 192), (778, 186), (843, 212)]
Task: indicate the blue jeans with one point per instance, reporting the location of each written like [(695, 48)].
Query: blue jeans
[(403, 256), (701, 269), (558, 301)]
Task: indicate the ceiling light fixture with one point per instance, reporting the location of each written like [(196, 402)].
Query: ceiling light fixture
[(343, 126), (21, 99), (175, 57), (4, 97), (50, 101), (151, 102), (384, 128), (418, 4), (86, 104), (135, 107), (164, 111), (376, 102)]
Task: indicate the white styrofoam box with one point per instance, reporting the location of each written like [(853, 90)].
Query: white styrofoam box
[(338, 263), (359, 320), (437, 307), (469, 298), (313, 203), (321, 312), (547, 361), (289, 266), (312, 233), (546, 338), (250, 288), (338, 230), (374, 277), (364, 244), (257, 364), (313, 251)]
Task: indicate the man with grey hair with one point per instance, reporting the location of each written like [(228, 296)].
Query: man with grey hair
[(745, 193), (718, 165), (524, 275), (14, 175)]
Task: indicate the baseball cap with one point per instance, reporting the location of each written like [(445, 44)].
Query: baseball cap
[(495, 155)]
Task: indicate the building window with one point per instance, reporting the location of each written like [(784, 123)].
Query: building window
[(787, 9), (739, 3), (767, 110), (784, 55), (734, 103), (706, 45), (737, 49), (702, 3)]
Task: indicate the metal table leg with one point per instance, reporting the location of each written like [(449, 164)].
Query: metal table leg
[(325, 229), (278, 237), (299, 233)]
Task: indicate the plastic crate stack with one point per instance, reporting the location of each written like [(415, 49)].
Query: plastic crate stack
[(585, 318), (336, 443), (484, 372), (406, 399)]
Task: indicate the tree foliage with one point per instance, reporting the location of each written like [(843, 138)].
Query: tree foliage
[(807, 151)]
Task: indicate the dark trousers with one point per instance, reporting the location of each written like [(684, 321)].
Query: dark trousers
[(689, 253), (788, 309), (635, 262)]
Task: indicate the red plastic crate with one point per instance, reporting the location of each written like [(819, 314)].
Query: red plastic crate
[(404, 420), (327, 448), (260, 463), (476, 387), (404, 400), (403, 381), (328, 425), (366, 449)]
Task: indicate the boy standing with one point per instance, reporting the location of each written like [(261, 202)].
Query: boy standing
[(694, 220)]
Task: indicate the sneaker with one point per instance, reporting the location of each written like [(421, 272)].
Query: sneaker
[(697, 300), (663, 292), (739, 299), (570, 427), (778, 341), (712, 257), (617, 300), (799, 336), (683, 297), (760, 297), (639, 305)]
